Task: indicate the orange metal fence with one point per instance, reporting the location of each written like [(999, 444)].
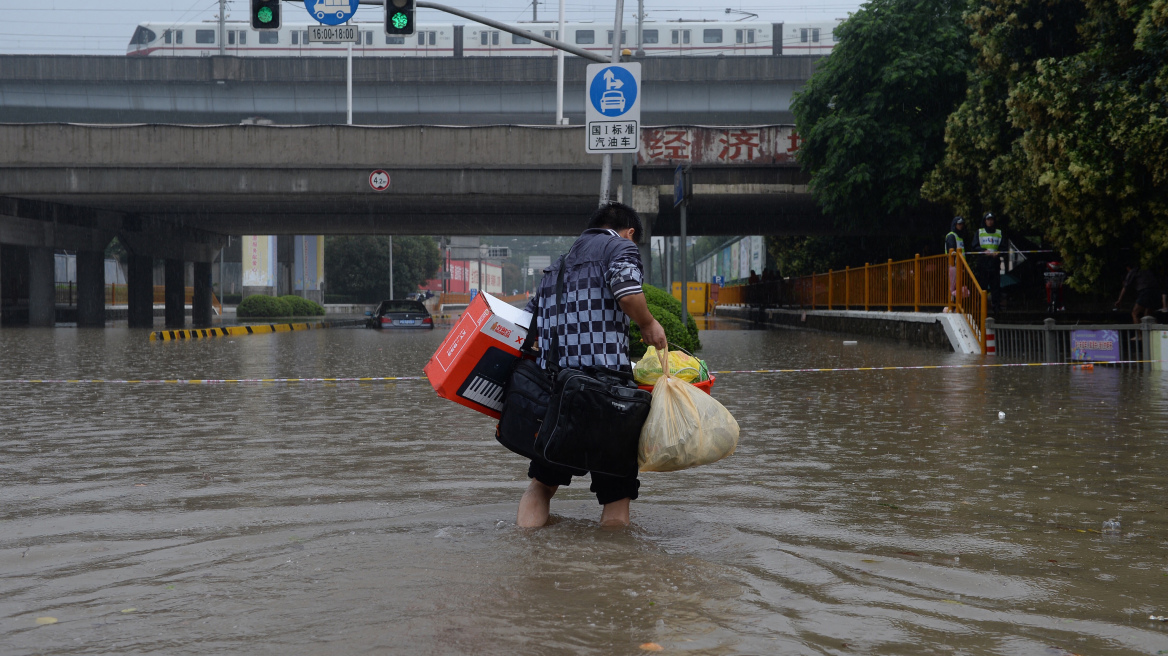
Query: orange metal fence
[(932, 282)]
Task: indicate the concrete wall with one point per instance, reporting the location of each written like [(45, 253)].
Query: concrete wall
[(710, 90), (917, 329)]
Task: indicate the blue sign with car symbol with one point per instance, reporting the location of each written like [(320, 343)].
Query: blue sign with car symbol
[(331, 12), (613, 91)]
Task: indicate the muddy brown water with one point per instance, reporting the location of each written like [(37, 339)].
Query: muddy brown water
[(864, 512)]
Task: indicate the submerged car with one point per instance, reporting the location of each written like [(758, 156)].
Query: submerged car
[(399, 314)]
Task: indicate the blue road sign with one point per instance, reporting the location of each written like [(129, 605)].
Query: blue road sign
[(678, 186), (331, 12), (613, 91)]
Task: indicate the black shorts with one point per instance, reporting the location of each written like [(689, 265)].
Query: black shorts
[(606, 488), (1148, 298)]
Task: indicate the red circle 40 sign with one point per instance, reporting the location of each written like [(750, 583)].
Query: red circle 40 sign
[(379, 180)]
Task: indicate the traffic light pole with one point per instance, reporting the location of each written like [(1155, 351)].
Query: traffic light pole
[(538, 38)]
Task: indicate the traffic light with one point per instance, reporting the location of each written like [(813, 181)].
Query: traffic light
[(265, 14), (399, 17)]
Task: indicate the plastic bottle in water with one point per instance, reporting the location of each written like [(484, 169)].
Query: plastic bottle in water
[(1111, 526)]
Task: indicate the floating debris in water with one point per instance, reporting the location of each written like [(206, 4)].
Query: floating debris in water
[(1111, 526), (850, 343), (1001, 415)]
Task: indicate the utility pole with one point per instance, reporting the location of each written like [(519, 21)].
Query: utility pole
[(349, 85), (391, 267), (560, 71), (222, 34), (640, 24), (606, 165), (535, 11)]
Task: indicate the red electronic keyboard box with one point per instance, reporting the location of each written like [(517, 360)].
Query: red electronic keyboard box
[(473, 363)]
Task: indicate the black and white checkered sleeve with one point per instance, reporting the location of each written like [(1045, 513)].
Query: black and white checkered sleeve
[(624, 276)]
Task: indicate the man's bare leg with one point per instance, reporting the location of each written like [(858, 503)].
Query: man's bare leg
[(535, 505), (615, 513)]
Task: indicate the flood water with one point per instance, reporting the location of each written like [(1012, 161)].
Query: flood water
[(874, 512)]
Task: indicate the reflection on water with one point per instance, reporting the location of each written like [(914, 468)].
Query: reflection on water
[(870, 512)]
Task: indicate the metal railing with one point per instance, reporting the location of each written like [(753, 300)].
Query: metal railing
[(1054, 343), (118, 294), (934, 282)]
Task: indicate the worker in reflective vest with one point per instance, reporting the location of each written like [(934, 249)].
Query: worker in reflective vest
[(989, 268), (954, 244)]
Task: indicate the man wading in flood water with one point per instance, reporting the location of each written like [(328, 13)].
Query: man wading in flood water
[(602, 291)]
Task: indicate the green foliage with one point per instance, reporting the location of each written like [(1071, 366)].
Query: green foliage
[(303, 307), (667, 311), (1065, 129), (801, 256), (359, 266), (872, 116), (259, 306)]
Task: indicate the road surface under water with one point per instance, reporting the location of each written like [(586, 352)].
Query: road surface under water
[(881, 512)]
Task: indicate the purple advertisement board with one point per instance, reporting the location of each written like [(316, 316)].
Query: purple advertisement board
[(1095, 345)]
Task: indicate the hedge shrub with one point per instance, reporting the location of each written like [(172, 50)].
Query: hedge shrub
[(667, 311), (259, 306), (303, 307)]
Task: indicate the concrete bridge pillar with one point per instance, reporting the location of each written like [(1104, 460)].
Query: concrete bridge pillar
[(90, 288), (176, 315), (201, 303), (140, 281), (646, 203), (42, 292)]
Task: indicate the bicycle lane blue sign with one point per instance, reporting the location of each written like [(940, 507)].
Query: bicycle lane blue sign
[(613, 111), (331, 12)]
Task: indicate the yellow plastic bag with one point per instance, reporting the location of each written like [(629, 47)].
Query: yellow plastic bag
[(686, 428), (681, 365)]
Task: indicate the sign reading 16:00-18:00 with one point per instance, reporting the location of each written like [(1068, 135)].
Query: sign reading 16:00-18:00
[(331, 12)]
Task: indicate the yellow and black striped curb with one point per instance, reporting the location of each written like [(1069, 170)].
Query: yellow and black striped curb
[(254, 329)]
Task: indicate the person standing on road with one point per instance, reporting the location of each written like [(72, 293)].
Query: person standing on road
[(989, 268), (954, 247), (602, 292), (1143, 282)]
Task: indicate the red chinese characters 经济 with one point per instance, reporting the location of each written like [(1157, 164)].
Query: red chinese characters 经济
[(667, 144), (740, 145)]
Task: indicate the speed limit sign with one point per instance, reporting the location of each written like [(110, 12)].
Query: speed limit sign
[(379, 180)]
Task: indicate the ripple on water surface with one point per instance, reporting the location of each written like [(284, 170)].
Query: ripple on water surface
[(881, 512)]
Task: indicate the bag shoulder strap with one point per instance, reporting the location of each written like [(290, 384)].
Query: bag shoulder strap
[(554, 361), (532, 330)]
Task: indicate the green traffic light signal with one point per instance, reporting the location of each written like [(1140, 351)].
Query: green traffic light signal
[(399, 17), (265, 14)]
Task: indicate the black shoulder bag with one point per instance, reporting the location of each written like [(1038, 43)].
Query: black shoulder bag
[(525, 398), (594, 417)]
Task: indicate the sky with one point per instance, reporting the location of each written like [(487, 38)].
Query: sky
[(93, 27)]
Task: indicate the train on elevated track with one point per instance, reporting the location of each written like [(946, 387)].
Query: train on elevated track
[(666, 39)]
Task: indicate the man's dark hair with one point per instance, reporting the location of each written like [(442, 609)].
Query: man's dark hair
[(617, 216)]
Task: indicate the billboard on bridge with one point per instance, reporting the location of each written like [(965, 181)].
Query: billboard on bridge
[(688, 144)]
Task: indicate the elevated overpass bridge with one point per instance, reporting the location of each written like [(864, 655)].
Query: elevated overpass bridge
[(386, 91), (174, 192)]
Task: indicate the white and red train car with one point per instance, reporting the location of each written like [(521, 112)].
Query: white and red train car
[(671, 39)]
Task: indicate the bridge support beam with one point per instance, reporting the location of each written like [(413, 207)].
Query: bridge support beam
[(175, 295), (201, 303), (90, 288), (42, 292), (140, 295)]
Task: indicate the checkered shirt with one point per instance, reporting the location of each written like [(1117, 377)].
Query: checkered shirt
[(600, 268)]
